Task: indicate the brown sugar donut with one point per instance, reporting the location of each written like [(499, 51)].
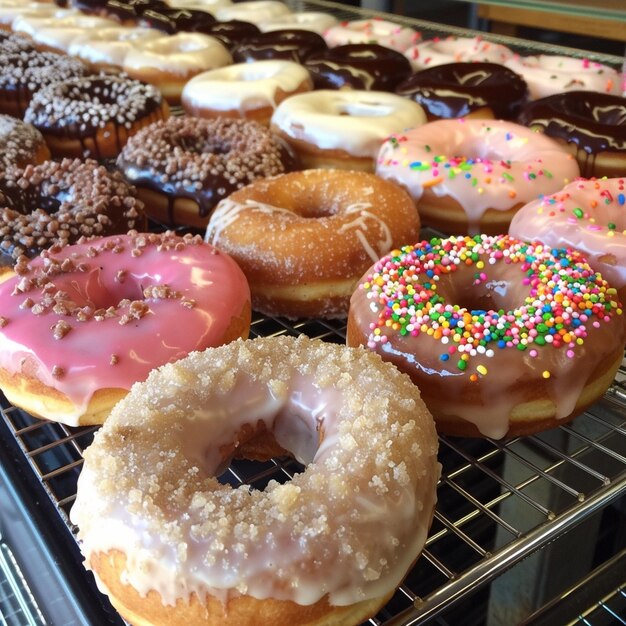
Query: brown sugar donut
[(93, 117), (184, 166), (275, 229), (20, 144)]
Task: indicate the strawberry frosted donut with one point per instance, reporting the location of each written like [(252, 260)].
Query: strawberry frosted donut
[(456, 50), (377, 31), (252, 11), (474, 174), (589, 215), (549, 74), (154, 297), (170, 545), (343, 129)]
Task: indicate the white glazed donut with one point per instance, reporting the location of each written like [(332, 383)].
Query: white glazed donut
[(169, 544), (250, 90), (343, 129), (10, 10), (316, 21), (377, 31), (203, 5), (456, 50), (549, 74), (252, 11)]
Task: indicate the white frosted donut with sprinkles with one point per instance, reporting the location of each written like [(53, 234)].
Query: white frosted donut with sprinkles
[(471, 175), (378, 31), (504, 338), (169, 544)]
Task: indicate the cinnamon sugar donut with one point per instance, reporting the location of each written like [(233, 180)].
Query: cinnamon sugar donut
[(20, 144), (273, 228), (154, 297), (170, 544), (184, 166), (504, 338), (94, 117)]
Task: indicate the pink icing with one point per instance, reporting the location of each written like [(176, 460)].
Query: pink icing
[(206, 290)]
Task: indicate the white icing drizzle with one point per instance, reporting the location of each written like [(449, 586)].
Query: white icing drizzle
[(361, 228)]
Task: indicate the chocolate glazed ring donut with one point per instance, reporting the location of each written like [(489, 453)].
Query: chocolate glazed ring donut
[(591, 124), (453, 90), (287, 44), (358, 66), (230, 33)]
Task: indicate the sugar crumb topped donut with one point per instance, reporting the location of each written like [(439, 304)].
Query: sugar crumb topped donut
[(376, 31), (170, 544), (155, 298), (21, 144), (504, 338)]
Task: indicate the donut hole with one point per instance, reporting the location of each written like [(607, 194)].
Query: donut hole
[(258, 474)]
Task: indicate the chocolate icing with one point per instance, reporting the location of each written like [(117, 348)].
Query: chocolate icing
[(124, 10), (231, 32), (172, 21), (286, 44)]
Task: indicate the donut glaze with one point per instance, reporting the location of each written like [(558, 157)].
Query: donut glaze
[(327, 547), (592, 125), (503, 338), (287, 45), (154, 297), (376, 31)]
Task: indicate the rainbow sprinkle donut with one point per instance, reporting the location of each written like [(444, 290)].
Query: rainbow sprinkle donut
[(503, 337)]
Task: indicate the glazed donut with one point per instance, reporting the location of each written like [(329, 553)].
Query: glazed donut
[(375, 31), (342, 129), (315, 21), (328, 547), (591, 125), (473, 175), (255, 11), (93, 117), (58, 202), (550, 74), (453, 90), (453, 49), (358, 66), (245, 90), (273, 227), (589, 215), (287, 45), (20, 144), (170, 61), (154, 297), (503, 338), (184, 166), (10, 10), (207, 5)]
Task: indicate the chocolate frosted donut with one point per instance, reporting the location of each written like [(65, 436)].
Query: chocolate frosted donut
[(184, 166), (358, 66), (232, 32), (130, 11), (59, 202), (287, 45), (591, 124), (487, 90), (20, 144), (94, 116), (171, 21)]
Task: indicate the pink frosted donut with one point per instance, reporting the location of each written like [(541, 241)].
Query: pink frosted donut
[(549, 74), (154, 298), (474, 174), (456, 50), (589, 215), (372, 31)]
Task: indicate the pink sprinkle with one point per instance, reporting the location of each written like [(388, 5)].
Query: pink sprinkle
[(570, 354)]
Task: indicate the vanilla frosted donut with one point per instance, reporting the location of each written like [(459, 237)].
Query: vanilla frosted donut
[(170, 545), (252, 11), (550, 74), (343, 129), (249, 90), (474, 174), (306, 20), (10, 10), (170, 61), (206, 5), (456, 50), (372, 31)]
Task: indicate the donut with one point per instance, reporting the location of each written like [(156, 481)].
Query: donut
[(170, 61), (254, 11), (58, 202), (473, 175), (315, 21), (184, 166), (93, 117), (504, 338), (175, 20), (550, 74), (454, 49), (589, 215), (342, 129), (591, 125), (273, 227), (14, 42), (287, 45), (358, 66), (453, 90), (127, 288), (129, 12), (245, 90), (20, 144), (207, 5), (377, 31), (10, 10), (231, 32), (169, 544)]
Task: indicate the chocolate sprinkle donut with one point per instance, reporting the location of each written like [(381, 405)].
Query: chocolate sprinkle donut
[(20, 143)]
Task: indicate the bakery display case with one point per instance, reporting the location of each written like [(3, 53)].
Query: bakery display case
[(530, 530)]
